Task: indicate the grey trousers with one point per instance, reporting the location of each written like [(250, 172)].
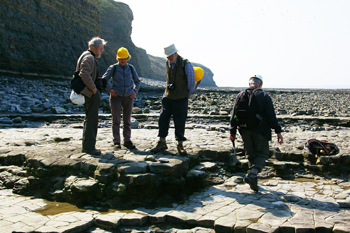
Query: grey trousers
[(91, 107), (256, 148), (118, 104)]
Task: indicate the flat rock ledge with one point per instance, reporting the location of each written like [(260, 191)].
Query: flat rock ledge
[(203, 191), (280, 206)]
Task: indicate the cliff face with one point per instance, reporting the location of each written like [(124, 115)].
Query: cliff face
[(44, 38), (116, 28)]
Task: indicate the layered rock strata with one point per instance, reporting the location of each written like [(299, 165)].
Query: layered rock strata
[(43, 39)]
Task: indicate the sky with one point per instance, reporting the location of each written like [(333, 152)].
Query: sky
[(291, 43)]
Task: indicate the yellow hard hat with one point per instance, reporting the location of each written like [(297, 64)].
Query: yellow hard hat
[(122, 53), (198, 73)]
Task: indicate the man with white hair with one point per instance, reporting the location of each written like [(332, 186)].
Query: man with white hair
[(89, 72), (254, 116), (180, 85)]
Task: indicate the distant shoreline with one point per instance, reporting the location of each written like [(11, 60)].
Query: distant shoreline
[(284, 88)]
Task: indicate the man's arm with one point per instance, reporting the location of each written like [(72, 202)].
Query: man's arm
[(107, 76), (271, 115), (190, 79), (86, 71), (272, 119), (232, 137), (136, 79), (233, 127), (233, 123)]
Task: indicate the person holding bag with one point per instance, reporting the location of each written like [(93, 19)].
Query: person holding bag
[(123, 89), (88, 71)]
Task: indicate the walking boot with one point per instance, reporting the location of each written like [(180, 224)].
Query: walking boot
[(129, 145), (117, 146), (160, 147), (181, 149), (252, 180)]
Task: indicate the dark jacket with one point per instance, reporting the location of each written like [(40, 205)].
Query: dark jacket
[(266, 110), (176, 77)]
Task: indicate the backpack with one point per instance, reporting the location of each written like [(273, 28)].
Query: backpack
[(246, 114), (321, 147), (76, 83)]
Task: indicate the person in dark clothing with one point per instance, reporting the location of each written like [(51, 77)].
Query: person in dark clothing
[(180, 86), (256, 139), (123, 89), (88, 73)]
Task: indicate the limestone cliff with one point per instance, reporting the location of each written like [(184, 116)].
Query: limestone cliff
[(116, 18), (44, 38)]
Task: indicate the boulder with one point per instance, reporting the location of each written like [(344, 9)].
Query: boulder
[(58, 110)]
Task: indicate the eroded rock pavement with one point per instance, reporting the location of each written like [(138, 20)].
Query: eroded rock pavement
[(280, 206), (309, 203)]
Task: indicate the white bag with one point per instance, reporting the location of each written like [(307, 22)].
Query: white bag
[(77, 98)]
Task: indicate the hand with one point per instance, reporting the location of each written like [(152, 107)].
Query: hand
[(94, 90), (279, 138), (113, 93), (132, 95), (232, 137)]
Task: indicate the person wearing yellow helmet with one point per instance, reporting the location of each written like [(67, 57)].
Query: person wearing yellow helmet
[(180, 86), (198, 74), (123, 83)]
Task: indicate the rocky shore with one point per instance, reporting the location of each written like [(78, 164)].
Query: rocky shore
[(134, 190), (19, 95)]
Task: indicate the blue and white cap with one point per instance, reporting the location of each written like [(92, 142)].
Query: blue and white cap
[(258, 76)]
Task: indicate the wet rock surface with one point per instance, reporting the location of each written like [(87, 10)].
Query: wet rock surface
[(204, 191)]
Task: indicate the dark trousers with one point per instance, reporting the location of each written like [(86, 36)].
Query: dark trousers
[(178, 109), (91, 121), (256, 148), (118, 104)]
